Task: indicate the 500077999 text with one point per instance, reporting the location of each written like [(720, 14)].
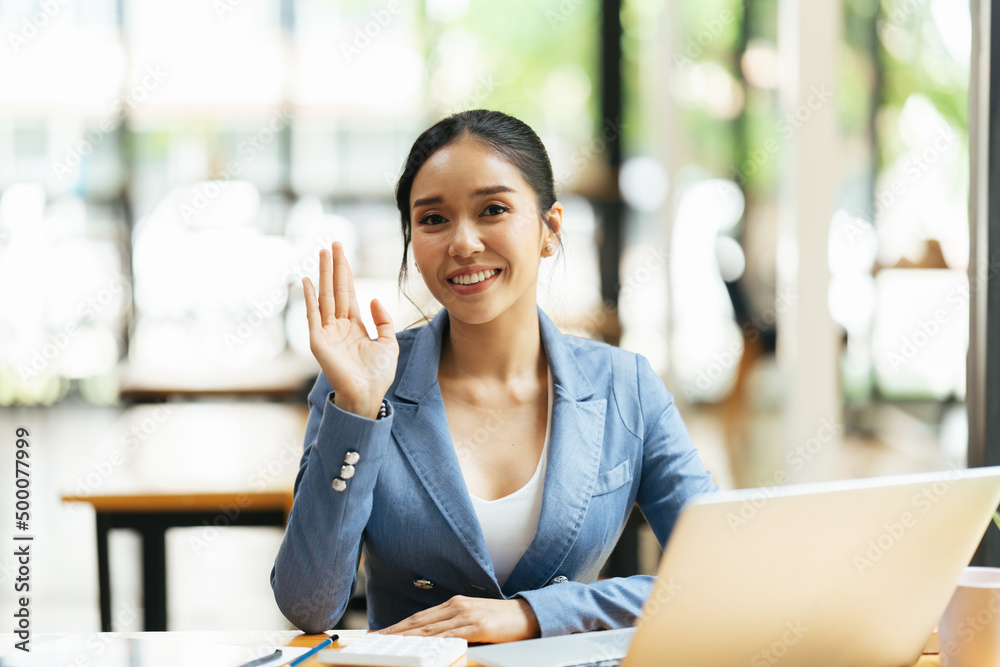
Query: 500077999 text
[(22, 542)]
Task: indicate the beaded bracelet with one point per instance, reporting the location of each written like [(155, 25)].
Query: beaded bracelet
[(351, 458), (383, 410)]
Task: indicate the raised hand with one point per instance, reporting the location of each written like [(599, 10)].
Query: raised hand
[(359, 369)]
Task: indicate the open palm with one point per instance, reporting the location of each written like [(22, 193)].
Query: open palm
[(359, 369)]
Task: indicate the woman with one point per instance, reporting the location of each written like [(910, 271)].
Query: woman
[(485, 463)]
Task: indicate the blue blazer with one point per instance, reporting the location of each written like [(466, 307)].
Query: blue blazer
[(615, 439)]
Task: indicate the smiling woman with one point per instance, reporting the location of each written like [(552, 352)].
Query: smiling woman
[(473, 213), (484, 463)]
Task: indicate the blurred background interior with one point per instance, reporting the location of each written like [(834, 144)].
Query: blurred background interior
[(767, 199)]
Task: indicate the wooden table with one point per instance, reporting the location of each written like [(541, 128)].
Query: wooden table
[(293, 638), (189, 464)]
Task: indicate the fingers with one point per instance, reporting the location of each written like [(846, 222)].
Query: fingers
[(355, 309), (312, 309), (331, 303), (428, 623), (383, 322), (452, 628), (327, 302), (421, 618), (337, 298), (475, 619), (342, 287)]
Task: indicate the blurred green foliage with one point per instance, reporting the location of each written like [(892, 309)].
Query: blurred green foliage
[(522, 42), (891, 50), (917, 61)]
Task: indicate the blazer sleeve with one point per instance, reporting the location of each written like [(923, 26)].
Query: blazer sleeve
[(315, 571), (671, 474)]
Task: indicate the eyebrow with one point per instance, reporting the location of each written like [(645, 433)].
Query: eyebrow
[(481, 192)]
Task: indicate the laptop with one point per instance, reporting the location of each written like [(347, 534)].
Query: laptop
[(839, 574)]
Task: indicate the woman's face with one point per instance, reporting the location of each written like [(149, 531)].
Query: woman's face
[(474, 218)]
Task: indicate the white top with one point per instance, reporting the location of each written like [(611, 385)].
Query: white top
[(509, 523)]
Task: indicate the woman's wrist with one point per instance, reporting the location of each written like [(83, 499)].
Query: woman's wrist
[(361, 408), (534, 630)]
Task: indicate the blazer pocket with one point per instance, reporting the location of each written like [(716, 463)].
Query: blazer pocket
[(613, 479)]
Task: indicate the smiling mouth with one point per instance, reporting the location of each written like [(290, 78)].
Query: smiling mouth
[(473, 278)]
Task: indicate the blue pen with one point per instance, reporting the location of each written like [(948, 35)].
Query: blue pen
[(314, 650)]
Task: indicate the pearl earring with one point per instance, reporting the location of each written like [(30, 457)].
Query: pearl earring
[(549, 247)]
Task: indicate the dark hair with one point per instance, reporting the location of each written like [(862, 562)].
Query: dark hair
[(509, 137)]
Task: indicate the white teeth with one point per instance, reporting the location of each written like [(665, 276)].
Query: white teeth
[(474, 278)]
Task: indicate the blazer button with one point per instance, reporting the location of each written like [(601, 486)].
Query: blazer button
[(347, 471), (423, 584), (559, 579), (352, 458), (338, 484)]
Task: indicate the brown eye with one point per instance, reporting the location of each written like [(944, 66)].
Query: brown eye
[(495, 209), (431, 219)]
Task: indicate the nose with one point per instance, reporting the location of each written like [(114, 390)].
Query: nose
[(465, 239)]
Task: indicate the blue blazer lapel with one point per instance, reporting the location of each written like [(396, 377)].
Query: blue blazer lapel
[(421, 431), (575, 439)]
